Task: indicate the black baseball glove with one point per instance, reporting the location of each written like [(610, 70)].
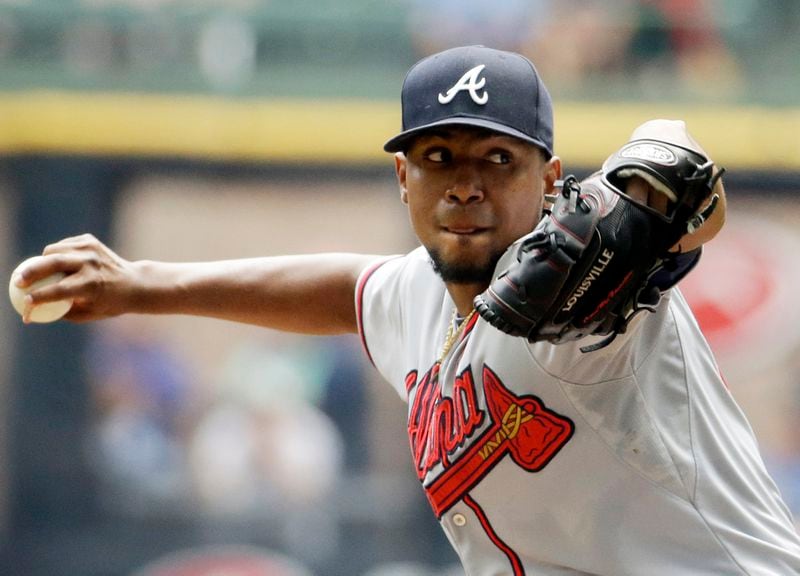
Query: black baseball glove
[(589, 265)]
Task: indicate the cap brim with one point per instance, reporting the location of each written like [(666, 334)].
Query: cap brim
[(401, 142)]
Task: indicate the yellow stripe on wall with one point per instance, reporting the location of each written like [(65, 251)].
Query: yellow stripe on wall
[(194, 127), (736, 137), (350, 131)]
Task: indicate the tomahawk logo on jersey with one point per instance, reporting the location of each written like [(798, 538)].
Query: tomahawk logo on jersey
[(519, 426)]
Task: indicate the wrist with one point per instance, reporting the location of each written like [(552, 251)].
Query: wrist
[(148, 288)]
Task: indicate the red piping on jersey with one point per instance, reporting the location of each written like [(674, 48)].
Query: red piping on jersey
[(516, 563), (468, 328), (360, 304), (471, 325)]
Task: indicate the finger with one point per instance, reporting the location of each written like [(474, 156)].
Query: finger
[(76, 287), (641, 192), (28, 309), (51, 293), (657, 201), (40, 267), (638, 190), (71, 243)]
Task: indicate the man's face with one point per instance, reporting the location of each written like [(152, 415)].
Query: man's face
[(470, 194)]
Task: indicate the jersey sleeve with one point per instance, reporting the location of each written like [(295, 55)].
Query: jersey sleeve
[(379, 311)]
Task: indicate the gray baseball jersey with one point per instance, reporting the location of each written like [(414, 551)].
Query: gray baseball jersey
[(541, 460)]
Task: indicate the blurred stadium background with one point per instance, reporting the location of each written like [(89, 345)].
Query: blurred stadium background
[(181, 130)]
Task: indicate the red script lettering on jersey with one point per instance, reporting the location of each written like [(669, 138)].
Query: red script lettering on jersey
[(438, 425)]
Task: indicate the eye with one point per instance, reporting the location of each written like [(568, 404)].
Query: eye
[(499, 157), (438, 155)]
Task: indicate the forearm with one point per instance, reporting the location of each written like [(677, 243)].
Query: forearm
[(311, 294)]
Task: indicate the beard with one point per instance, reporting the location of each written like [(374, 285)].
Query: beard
[(464, 273)]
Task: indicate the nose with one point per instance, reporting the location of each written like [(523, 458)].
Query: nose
[(466, 189)]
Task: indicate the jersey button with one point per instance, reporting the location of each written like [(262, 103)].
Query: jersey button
[(459, 520)]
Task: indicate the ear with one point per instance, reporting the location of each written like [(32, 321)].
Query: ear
[(400, 167), (552, 173)]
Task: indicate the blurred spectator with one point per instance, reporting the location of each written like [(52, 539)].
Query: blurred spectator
[(8, 36), (569, 40), (139, 390), (785, 470), (250, 458), (220, 560), (578, 40), (504, 24), (226, 50), (344, 398), (682, 38), (783, 458), (644, 44), (264, 449), (412, 569)]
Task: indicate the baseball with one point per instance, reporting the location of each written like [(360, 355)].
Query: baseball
[(49, 312)]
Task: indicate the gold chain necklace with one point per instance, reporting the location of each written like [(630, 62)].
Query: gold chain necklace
[(454, 333)]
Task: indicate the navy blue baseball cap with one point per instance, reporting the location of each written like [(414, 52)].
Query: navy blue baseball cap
[(476, 86)]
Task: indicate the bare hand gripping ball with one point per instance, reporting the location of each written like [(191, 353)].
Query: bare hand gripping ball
[(42, 313)]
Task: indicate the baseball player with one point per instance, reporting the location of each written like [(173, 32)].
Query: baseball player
[(547, 443)]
